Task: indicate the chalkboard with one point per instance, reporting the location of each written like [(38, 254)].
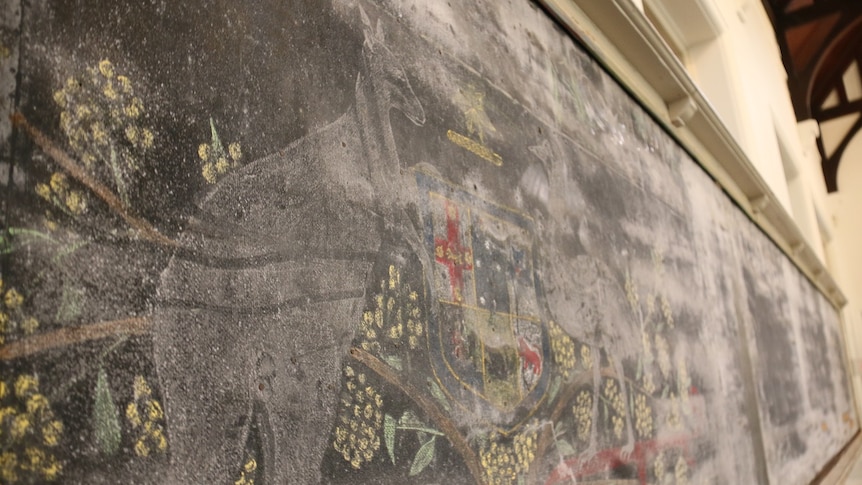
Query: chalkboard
[(802, 388), (370, 242)]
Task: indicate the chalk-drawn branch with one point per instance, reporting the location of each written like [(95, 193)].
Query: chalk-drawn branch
[(431, 409), (144, 228), (74, 335)]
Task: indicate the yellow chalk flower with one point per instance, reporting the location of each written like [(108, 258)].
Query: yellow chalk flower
[(9, 467), (75, 202), (586, 357), (204, 151), (147, 138), (132, 414), (154, 410), (141, 448), (51, 432), (235, 151), (221, 165), (209, 173), (60, 98), (13, 299), (24, 385), (125, 84), (36, 403), (583, 411), (59, 184), (43, 191), (19, 427), (562, 349), (146, 417), (132, 134), (109, 91), (106, 68)]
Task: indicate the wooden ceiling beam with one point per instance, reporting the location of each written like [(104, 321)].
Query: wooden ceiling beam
[(844, 109), (824, 86), (830, 165), (817, 11)]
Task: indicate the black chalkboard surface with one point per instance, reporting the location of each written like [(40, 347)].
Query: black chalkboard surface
[(370, 242)]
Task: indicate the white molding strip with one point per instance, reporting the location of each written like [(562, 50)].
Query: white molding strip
[(640, 59)]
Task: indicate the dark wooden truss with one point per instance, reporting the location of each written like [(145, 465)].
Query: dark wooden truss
[(819, 40)]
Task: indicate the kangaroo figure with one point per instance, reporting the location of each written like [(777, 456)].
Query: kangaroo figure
[(258, 309)]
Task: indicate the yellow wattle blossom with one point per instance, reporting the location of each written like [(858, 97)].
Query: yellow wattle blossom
[(663, 355), (106, 68), (29, 432), (125, 84), (216, 160), (24, 385), (562, 349), (583, 411), (103, 123), (648, 384), (674, 419), (397, 312), (222, 165), (43, 191), (666, 312), (246, 475), (109, 91), (13, 299), (208, 172), (632, 292), (20, 426), (58, 191), (235, 151), (504, 462), (146, 417), (59, 183), (659, 467), (680, 471), (9, 467), (134, 108), (360, 420), (51, 432), (614, 398), (99, 134), (36, 403), (147, 138), (75, 202), (586, 357), (132, 134), (643, 417)]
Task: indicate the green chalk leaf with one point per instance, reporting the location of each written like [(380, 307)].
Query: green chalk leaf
[(565, 448), (394, 361), (105, 417), (555, 388), (438, 395), (389, 435), (410, 420), (423, 457)]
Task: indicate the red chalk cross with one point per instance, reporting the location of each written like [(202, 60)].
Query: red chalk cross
[(451, 253)]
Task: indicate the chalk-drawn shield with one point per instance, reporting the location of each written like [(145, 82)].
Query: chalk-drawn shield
[(487, 340)]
